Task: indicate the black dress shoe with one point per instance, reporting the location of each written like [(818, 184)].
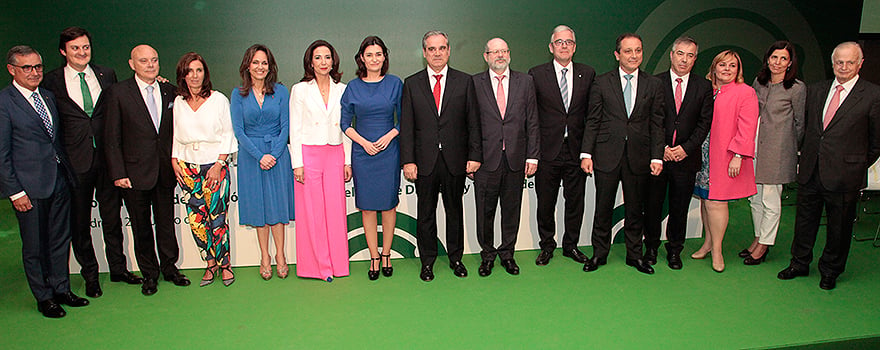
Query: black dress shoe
[(575, 255), (150, 286), (674, 260), (650, 256), (544, 257), (71, 299), (93, 289), (458, 268), (510, 266), (51, 309), (126, 277), (589, 265), (640, 265), (828, 282), (486, 267), (599, 261), (792, 272), (744, 253), (427, 273), (178, 279)]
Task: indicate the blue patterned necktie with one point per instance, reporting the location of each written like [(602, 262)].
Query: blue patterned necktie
[(627, 94), (151, 106), (44, 115)]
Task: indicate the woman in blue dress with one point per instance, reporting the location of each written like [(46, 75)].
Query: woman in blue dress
[(260, 118), (370, 117)]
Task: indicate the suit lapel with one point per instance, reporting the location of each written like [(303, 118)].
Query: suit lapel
[(617, 90), (512, 86), (689, 95), (451, 85), (490, 94), (422, 86), (26, 106), (640, 92), (851, 100), (138, 99), (550, 80), (819, 106)]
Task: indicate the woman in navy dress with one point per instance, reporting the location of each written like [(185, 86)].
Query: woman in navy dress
[(260, 118), (372, 102)]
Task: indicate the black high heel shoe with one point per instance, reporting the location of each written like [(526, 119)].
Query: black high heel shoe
[(373, 274), (744, 253), (749, 260), (227, 281), (386, 269)]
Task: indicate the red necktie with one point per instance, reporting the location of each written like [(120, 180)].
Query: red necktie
[(499, 96), (832, 106), (437, 90), (678, 96)]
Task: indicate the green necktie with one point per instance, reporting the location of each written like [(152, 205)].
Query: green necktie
[(88, 107)]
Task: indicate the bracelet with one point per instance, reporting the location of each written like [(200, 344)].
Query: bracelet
[(737, 155), (221, 162)]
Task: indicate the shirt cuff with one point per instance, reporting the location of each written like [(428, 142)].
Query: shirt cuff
[(17, 196), (586, 156), (657, 161), (532, 161)]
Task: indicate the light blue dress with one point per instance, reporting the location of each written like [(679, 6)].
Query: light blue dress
[(265, 196), (374, 109)]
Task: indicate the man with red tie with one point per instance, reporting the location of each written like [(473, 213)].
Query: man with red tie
[(841, 140), (439, 145)]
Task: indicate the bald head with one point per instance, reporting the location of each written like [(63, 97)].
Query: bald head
[(497, 55), (145, 63), (846, 61)]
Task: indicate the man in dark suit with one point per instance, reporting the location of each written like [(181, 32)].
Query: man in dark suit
[(510, 135), (842, 139), (623, 140), (562, 90), (35, 175), (688, 115), (77, 85), (439, 145), (138, 134)]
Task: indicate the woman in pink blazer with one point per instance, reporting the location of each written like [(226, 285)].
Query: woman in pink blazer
[(728, 172)]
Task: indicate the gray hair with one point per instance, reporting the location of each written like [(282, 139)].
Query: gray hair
[(20, 50), (850, 44), (684, 39), (562, 28), (433, 33)]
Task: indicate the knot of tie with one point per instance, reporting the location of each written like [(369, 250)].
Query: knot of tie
[(628, 76)]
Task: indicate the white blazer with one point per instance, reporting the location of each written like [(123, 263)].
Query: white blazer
[(313, 123)]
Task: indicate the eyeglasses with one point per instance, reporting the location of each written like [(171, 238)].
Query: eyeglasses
[(29, 68), (498, 52), (560, 42)]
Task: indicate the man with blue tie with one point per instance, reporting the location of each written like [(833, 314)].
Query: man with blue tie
[(36, 176), (138, 131), (623, 143)]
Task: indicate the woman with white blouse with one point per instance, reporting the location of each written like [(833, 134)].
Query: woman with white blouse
[(321, 166), (203, 141)]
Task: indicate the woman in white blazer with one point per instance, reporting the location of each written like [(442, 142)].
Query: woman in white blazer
[(321, 166)]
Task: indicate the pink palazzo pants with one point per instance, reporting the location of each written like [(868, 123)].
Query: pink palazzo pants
[(321, 230)]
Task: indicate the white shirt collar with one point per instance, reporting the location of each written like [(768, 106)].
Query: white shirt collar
[(847, 86), (71, 73), (506, 73), (558, 67), (25, 91), (443, 71), (143, 85), (635, 73)]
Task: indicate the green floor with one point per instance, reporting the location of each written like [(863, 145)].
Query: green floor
[(554, 306)]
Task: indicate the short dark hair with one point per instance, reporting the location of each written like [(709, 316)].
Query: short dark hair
[(19, 50), (71, 33), (625, 36), (790, 75), (271, 77), (370, 41), (183, 71), (309, 71)]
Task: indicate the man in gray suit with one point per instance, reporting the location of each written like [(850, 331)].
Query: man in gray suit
[(509, 124)]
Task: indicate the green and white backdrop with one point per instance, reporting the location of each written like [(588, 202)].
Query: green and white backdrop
[(221, 30)]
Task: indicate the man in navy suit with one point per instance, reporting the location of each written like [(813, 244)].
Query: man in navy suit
[(439, 145), (562, 89), (35, 176), (509, 125), (138, 132), (623, 142), (77, 85), (687, 119), (841, 140)]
